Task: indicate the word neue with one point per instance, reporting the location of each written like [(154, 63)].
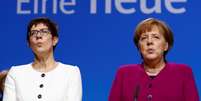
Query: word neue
[(101, 6)]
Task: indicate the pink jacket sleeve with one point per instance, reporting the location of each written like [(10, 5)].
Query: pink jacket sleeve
[(115, 93), (190, 90)]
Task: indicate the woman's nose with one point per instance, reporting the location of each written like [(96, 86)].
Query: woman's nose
[(149, 41), (38, 36)]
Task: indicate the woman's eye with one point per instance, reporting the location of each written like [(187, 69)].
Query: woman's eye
[(33, 33), (142, 38), (156, 37)]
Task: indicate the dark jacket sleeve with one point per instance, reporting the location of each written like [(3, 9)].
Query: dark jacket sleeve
[(116, 90), (190, 90)]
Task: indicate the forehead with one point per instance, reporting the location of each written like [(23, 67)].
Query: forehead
[(154, 30), (39, 26)]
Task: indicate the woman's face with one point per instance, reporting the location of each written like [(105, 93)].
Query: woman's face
[(41, 40), (152, 44)]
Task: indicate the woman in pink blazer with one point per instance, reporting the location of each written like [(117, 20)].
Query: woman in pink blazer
[(154, 79)]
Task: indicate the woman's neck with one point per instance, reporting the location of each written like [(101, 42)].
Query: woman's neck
[(44, 63), (154, 67)]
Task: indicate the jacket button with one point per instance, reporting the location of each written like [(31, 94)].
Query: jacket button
[(149, 97), (39, 96), (41, 85), (43, 75)]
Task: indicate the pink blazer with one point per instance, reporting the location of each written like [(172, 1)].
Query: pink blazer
[(174, 83)]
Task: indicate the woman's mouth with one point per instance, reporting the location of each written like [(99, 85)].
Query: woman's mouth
[(150, 51)]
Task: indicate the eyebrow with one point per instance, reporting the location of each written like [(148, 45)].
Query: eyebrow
[(40, 29), (151, 34), (156, 34)]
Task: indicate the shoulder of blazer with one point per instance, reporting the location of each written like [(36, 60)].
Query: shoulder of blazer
[(129, 68)]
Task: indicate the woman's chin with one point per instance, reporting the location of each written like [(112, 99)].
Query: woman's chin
[(40, 51), (151, 57)]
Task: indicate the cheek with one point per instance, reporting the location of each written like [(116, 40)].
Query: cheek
[(142, 48), (162, 47), (33, 40), (31, 43), (49, 42)]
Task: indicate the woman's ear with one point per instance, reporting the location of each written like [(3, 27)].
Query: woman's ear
[(55, 41), (166, 46)]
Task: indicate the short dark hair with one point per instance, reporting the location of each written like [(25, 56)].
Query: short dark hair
[(53, 27), (147, 25)]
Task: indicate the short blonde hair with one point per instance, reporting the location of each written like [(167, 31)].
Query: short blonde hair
[(147, 25)]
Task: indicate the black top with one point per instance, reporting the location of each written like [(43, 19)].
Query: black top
[(152, 77)]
